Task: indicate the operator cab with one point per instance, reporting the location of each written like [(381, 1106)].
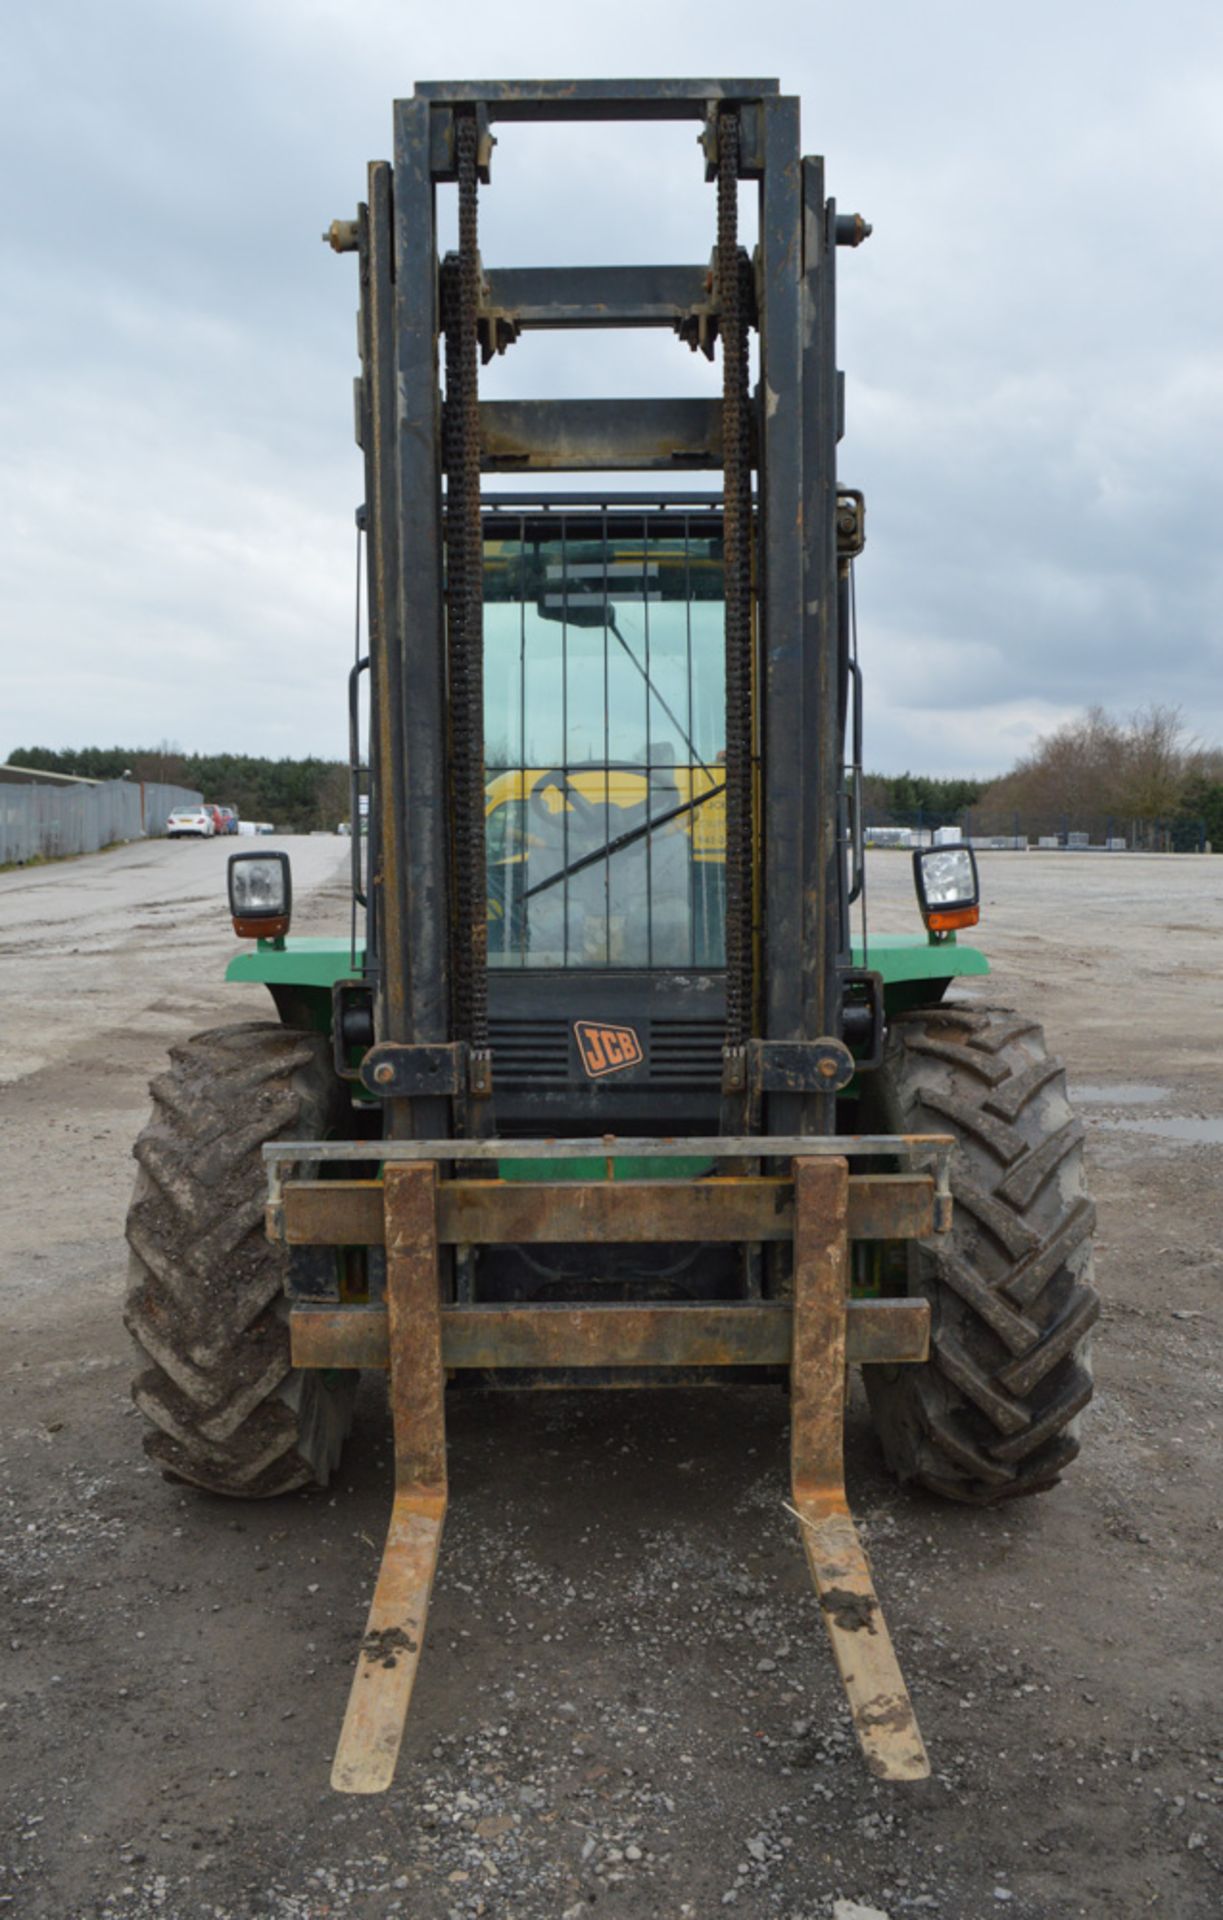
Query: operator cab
[(605, 737)]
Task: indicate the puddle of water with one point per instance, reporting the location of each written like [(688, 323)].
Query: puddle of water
[(1197, 1132), (1122, 1094)]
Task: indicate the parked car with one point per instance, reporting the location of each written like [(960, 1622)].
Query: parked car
[(195, 823)]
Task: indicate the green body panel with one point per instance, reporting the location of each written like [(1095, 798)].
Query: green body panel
[(301, 973), (310, 960), (904, 960), (600, 1168), (907, 958)]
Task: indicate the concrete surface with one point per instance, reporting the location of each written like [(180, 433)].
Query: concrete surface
[(626, 1706)]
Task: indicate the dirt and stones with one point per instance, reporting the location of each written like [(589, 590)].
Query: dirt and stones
[(625, 1704)]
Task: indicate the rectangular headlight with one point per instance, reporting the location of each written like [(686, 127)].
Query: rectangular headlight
[(948, 889), (260, 894)]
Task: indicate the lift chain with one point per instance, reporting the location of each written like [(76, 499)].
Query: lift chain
[(465, 597), (456, 572), (737, 566)]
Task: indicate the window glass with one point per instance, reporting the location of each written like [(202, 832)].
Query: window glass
[(604, 738)]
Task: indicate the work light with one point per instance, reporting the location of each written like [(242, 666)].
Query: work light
[(260, 894), (948, 890)]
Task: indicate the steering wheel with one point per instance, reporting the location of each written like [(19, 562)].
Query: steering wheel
[(558, 778)]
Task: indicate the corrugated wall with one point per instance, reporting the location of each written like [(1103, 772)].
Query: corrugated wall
[(49, 822)]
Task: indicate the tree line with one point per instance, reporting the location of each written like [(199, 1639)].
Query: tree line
[(1143, 779), (296, 796), (912, 799)]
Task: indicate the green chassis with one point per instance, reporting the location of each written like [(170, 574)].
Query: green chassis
[(916, 971)]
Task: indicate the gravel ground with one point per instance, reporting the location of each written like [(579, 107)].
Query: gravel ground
[(626, 1706)]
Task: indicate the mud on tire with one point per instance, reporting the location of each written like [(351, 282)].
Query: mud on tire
[(995, 1411), (205, 1297)]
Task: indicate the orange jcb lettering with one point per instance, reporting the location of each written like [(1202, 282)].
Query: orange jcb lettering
[(606, 1049)]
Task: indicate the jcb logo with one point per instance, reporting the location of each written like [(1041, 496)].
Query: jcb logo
[(606, 1049)]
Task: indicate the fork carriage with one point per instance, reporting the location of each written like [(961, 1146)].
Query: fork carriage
[(420, 1335)]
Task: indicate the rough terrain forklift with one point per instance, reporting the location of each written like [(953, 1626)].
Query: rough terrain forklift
[(602, 1089)]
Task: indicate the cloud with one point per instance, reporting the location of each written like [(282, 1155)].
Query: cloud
[(1035, 383)]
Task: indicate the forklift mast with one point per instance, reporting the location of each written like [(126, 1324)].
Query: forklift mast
[(775, 985), (677, 904)]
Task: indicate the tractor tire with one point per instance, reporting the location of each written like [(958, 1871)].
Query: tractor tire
[(995, 1411), (206, 1301)]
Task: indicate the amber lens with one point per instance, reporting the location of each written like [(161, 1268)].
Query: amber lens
[(266, 927), (948, 919)]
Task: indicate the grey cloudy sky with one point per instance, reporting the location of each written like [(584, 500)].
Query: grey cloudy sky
[(1032, 340)]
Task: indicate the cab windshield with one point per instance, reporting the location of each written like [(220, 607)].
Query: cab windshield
[(605, 731)]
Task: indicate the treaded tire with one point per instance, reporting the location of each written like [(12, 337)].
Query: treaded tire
[(995, 1411), (205, 1297)]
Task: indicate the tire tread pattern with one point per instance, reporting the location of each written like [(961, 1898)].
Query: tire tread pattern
[(995, 1411), (205, 1299)]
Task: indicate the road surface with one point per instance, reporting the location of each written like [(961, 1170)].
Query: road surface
[(626, 1706)]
